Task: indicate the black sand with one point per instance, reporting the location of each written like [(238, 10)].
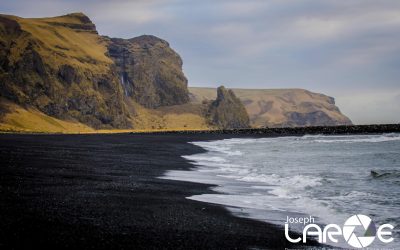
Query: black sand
[(101, 192)]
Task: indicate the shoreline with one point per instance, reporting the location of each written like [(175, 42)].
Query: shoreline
[(290, 131), (103, 191), (278, 131)]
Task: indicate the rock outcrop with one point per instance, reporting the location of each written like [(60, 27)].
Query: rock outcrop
[(227, 111), (150, 71)]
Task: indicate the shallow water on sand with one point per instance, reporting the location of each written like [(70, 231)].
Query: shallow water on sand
[(328, 177)]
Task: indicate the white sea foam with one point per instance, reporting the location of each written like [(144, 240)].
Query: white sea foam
[(324, 176), (354, 139), (204, 159)]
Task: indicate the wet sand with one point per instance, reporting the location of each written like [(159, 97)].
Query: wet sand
[(102, 192)]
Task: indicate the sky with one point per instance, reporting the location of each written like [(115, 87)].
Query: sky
[(346, 49)]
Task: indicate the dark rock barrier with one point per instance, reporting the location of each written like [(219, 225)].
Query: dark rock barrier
[(326, 130)]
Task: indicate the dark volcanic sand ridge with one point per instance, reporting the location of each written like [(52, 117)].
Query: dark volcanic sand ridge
[(101, 191)]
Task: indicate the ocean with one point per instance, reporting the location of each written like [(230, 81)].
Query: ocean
[(329, 178)]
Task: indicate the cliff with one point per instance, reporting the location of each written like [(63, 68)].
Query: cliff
[(150, 71), (59, 66), (282, 107), (64, 69), (227, 111)]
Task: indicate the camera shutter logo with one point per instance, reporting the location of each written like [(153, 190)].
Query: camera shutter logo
[(359, 231)]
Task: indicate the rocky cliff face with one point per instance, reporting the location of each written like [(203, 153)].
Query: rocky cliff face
[(227, 111), (43, 67), (150, 71), (62, 67)]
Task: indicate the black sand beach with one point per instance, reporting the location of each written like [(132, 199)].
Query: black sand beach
[(101, 192)]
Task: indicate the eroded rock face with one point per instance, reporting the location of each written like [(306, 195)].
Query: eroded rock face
[(150, 71), (296, 119), (227, 111), (68, 74), (57, 77), (62, 67)]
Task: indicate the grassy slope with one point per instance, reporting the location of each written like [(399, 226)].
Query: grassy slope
[(63, 45), (178, 117), (18, 119)]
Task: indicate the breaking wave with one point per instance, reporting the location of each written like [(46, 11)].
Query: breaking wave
[(328, 177)]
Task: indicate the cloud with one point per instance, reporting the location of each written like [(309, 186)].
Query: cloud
[(377, 106), (133, 12)]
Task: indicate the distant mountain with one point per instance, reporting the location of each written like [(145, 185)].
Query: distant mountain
[(58, 74), (282, 107)]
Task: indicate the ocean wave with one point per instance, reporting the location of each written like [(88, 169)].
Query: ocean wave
[(287, 187), (354, 139), (204, 159), (224, 147), (304, 175), (352, 195)]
